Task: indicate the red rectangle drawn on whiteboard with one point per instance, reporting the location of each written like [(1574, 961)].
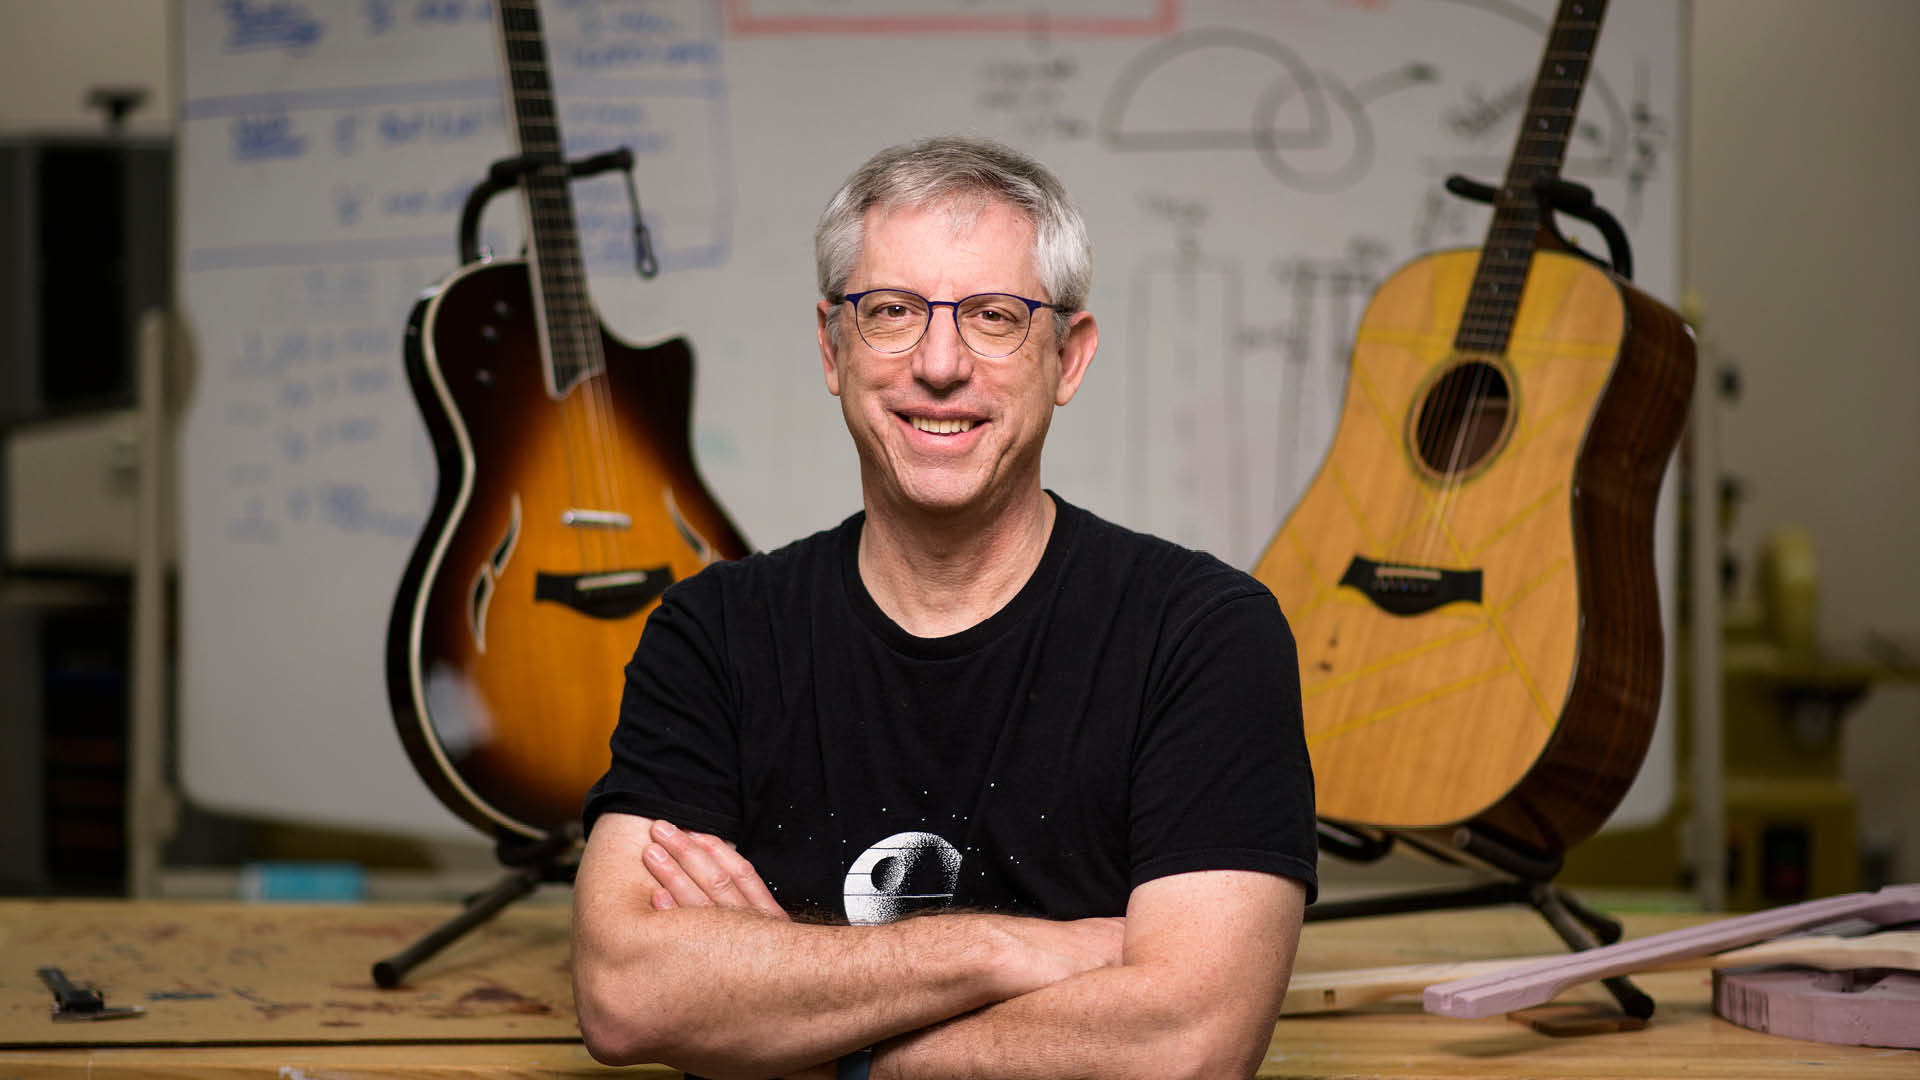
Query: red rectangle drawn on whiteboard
[(742, 21)]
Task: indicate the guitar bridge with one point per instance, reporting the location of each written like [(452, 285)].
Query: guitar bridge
[(1407, 589), (606, 594)]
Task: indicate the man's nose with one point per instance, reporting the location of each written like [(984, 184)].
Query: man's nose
[(942, 359)]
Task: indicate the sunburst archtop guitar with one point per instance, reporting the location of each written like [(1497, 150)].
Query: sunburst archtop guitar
[(1470, 574), (568, 501)]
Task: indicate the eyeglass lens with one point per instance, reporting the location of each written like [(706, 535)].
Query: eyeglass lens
[(991, 324)]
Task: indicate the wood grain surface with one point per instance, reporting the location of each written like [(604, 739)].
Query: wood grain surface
[(293, 998), (236, 973)]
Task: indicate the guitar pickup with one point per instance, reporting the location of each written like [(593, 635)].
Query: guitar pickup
[(1408, 589), (607, 594)]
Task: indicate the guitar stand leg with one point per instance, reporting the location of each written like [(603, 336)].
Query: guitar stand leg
[(535, 864), (1556, 906), (1604, 927), (388, 973), (1527, 880)]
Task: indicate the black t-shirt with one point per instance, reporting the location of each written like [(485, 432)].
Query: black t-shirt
[(1133, 712)]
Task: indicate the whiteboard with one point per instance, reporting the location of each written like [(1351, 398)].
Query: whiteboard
[(1250, 171)]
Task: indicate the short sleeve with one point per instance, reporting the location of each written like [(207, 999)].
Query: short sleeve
[(1221, 777), (675, 749)]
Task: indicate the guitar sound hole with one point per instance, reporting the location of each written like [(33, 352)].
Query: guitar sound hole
[(1464, 419)]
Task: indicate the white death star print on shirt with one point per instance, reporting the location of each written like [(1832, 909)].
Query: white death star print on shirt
[(904, 873)]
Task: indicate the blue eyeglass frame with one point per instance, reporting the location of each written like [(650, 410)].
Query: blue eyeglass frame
[(1032, 306)]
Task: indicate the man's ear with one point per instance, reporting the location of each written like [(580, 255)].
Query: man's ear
[(829, 353), (1076, 354)]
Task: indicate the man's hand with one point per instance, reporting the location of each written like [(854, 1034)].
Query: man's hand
[(1052, 951), (700, 870)]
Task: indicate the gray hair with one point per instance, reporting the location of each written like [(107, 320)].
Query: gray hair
[(938, 170)]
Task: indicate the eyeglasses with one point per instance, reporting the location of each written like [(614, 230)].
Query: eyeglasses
[(991, 324)]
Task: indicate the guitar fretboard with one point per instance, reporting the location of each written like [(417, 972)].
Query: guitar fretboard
[(1539, 152), (553, 246)]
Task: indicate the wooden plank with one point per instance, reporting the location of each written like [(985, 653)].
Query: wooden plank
[(1505, 991), (1323, 991)]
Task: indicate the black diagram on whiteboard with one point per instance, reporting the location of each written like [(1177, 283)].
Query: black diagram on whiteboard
[(1608, 139), (1232, 393), (1310, 129)]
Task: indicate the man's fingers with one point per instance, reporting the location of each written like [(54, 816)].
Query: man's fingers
[(1060, 950), (698, 862), (674, 880), (745, 879), (698, 870)]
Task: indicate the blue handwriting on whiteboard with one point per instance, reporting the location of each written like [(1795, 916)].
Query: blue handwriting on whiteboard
[(452, 11), (435, 124), (349, 508), (346, 201), (269, 24), (260, 138), (603, 112), (617, 54), (369, 380), (405, 203), (646, 21), (370, 341), (379, 15), (345, 128)]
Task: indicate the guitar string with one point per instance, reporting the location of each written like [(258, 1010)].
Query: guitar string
[(1446, 404), (558, 345), (559, 294), (539, 188), (590, 392), (1487, 315), (572, 332), (536, 138), (1453, 401), (593, 401), (605, 419), (1568, 59)]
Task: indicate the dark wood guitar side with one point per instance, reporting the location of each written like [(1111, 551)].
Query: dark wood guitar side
[(568, 500), (1470, 575)]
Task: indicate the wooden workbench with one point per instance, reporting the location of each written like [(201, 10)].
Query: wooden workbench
[(251, 990)]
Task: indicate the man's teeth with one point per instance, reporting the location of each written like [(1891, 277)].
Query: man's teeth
[(941, 427)]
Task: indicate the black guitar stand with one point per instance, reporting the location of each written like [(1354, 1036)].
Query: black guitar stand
[(1528, 880), (552, 858), (508, 172), (1566, 197)]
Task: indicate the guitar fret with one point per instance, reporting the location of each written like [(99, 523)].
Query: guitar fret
[(572, 345), (1539, 148)]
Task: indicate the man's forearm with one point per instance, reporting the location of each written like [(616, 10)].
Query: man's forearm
[(1121, 1021), (727, 992)]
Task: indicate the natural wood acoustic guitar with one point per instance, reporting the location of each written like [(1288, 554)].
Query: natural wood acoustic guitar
[(568, 500), (1470, 575)]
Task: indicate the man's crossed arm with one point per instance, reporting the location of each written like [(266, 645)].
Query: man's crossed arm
[(681, 956)]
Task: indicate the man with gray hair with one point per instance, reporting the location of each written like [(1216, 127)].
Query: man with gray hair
[(1078, 746)]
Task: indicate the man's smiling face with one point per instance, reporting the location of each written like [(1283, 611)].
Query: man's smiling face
[(939, 427)]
